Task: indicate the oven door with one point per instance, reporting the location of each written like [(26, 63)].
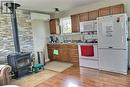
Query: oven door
[(88, 51)]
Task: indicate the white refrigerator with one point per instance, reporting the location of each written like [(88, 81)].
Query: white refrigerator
[(112, 43)]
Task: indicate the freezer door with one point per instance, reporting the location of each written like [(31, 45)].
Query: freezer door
[(112, 32), (113, 60)]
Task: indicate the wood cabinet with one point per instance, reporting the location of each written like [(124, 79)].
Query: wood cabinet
[(73, 54), (57, 47), (83, 16), (104, 11), (75, 23), (51, 48), (67, 53), (50, 51), (92, 15), (54, 26), (117, 9)]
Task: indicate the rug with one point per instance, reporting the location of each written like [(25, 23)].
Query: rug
[(34, 79), (57, 66)]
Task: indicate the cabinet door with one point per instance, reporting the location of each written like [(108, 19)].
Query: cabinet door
[(51, 48), (117, 9), (104, 11), (50, 54), (65, 53), (75, 23), (92, 15), (52, 26), (59, 56), (58, 47), (74, 57), (83, 17), (73, 54)]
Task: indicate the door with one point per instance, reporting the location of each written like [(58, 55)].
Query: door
[(113, 60), (111, 32)]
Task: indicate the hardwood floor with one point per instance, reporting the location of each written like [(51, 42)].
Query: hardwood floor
[(85, 77)]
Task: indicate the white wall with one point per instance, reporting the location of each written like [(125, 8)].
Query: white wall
[(40, 36)]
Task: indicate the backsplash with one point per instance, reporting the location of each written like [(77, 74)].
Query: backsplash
[(78, 37), (6, 37)]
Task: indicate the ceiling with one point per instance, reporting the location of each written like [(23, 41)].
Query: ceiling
[(49, 5)]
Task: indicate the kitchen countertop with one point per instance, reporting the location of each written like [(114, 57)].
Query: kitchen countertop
[(77, 43)]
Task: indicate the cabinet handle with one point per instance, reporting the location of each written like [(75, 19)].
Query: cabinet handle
[(110, 47)]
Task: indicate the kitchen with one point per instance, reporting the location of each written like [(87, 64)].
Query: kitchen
[(65, 43), (82, 45)]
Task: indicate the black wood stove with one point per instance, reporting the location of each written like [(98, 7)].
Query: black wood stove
[(20, 61)]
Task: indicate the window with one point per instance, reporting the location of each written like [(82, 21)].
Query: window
[(65, 24)]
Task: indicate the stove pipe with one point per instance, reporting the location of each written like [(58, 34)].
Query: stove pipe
[(13, 7)]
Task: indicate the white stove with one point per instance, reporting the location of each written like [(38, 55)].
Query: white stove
[(88, 55)]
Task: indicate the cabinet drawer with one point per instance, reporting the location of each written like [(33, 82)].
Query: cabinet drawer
[(49, 45), (57, 46), (73, 56), (75, 64), (73, 46), (64, 46), (74, 51), (74, 59)]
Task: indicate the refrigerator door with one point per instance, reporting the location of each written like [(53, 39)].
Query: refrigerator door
[(112, 32), (113, 60)]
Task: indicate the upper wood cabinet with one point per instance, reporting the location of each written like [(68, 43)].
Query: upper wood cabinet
[(92, 15), (117, 9), (75, 23), (54, 27), (104, 11), (83, 16)]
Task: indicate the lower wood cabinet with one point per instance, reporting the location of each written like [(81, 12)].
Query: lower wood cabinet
[(67, 53)]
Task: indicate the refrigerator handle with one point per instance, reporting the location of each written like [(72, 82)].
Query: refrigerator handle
[(110, 47), (128, 39)]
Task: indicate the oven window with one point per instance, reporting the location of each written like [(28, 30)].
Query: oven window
[(87, 50)]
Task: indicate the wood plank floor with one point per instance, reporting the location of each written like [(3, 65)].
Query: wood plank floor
[(85, 77)]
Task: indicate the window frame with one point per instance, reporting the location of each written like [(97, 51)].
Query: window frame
[(61, 24)]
